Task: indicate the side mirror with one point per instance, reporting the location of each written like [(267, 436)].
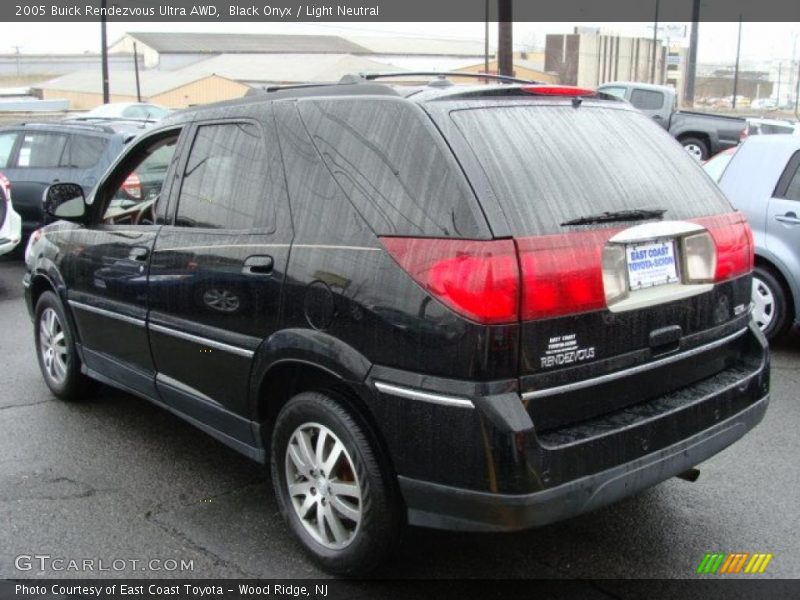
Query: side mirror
[(65, 201)]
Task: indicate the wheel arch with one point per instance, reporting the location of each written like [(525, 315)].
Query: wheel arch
[(700, 135), (298, 360), (789, 285)]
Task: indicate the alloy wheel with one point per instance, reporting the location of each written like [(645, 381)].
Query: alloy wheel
[(53, 346), (763, 304), (694, 150), (323, 486)]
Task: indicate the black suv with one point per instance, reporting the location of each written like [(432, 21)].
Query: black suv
[(480, 308), (35, 155)]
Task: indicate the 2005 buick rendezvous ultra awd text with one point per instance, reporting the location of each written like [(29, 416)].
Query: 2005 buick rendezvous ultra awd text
[(482, 308)]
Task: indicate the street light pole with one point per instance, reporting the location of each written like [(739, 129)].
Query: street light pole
[(691, 68), (104, 53), (736, 69), (505, 46), (486, 42), (655, 41)]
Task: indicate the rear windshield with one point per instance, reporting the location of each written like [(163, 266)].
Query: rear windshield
[(550, 164)]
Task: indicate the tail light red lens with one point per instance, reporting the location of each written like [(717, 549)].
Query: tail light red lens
[(734, 241), (132, 186), (477, 279), (5, 183), (503, 281), (562, 274), (557, 90)]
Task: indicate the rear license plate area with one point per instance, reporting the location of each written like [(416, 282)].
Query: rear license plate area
[(651, 264)]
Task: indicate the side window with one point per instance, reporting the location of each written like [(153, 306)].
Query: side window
[(619, 92), (135, 112), (225, 181), (7, 141), (393, 165), (84, 151), (793, 189), (41, 150), (134, 199), (647, 99)]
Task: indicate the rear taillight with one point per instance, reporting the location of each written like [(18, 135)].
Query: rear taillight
[(502, 281), (132, 186), (743, 135), (562, 274), (5, 183), (477, 279), (733, 239), (557, 90)]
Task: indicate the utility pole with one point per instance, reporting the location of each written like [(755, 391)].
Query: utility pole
[(655, 42), (691, 68), (779, 83), (736, 69), (486, 43), (136, 69), (104, 53), (16, 49), (797, 94), (505, 45)]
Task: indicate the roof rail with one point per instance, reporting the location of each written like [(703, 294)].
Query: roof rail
[(441, 75), (69, 124)]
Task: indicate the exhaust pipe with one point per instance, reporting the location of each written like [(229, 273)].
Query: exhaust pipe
[(690, 475)]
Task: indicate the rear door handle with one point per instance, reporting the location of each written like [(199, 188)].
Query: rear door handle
[(138, 253), (789, 217), (258, 265)]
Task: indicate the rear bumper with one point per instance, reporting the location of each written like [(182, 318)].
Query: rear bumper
[(472, 456), (444, 507)]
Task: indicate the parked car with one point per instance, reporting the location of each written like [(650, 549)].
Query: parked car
[(482, 308), (10, 222), (762, 179), (701, 134), (35, 155), (757, 126), (127, 111), (716, 165), (764, 104)]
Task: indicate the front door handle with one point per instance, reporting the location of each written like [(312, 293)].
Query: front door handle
[(138, 253), (258, 265), (789, 218)]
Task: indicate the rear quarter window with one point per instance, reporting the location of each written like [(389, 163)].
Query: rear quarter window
[(394, 166), (84, 151), (548, 164), (647, 99)]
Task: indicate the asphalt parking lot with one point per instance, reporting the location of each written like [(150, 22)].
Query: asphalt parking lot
[(114, 477)]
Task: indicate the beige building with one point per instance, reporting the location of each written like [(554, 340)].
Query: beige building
[(84, 89), (526, 66), (588, 59)]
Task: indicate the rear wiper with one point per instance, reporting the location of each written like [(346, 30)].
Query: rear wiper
[(638, 214)]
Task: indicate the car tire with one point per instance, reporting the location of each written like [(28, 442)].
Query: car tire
[(697, 148), (355, 499), (55, 350), (771, 310)]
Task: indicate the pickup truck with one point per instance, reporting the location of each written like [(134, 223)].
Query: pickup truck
[(702, 135)]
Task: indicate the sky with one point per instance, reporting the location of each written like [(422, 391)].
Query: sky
[(760, 41)]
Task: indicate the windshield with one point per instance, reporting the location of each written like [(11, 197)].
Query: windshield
[(549, 164), (716, 166)]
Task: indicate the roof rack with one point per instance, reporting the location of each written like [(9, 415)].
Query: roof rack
[(440, 75), (362, 77)]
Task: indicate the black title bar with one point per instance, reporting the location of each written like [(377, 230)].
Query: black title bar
[(394, 10)]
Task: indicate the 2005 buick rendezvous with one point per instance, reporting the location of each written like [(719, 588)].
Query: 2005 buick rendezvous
[(481, 308)]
